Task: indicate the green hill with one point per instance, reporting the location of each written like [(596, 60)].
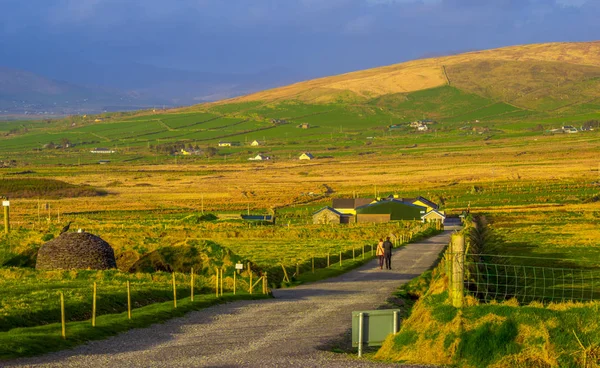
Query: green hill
[(506, 92)]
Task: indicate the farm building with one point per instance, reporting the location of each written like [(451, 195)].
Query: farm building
[(102, 150), (423, 202), (259, 157), (255, 143), (389, 210), (306, 156), (190, 151), (349, 205), (228, 144), (328, 215), (434, 215), (418, 201)]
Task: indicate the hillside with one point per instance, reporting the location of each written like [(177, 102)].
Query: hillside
[(519, 74), (487, 96)]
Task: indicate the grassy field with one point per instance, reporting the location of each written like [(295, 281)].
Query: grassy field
[(490, 150)]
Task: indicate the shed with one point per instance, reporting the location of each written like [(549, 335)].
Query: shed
[(397, 210), (76, 251), (328, 215)]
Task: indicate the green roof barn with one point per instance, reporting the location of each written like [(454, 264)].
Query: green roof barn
[(397, 210)]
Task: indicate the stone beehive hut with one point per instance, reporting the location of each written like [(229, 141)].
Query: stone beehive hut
[(76, 251)]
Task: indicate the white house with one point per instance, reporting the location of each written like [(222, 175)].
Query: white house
[(102, 150), (259, 157)]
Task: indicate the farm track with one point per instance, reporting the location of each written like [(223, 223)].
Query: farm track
[(296, 328)]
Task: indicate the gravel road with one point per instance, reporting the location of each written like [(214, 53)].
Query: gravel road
[(295, 329)]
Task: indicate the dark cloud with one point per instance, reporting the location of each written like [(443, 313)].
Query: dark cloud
[(310, 37)]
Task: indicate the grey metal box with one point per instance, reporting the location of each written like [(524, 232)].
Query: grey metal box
[(377, 325)]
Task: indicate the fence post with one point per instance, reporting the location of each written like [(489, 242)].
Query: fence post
[(192, 284), (217, 281), (234, 280), (6, 216), (94, 306), (371, 250), (221, 281), (128, 300), (264, 285), (174, 292), (340, 258), (458, 270), (327, 259), (250, 286), (313, 264), (62, 316), (353, 255), (363, 252)]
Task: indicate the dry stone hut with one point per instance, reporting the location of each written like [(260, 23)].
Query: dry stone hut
[(76, 251)]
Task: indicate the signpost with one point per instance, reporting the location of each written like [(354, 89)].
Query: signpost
[(6, 205)]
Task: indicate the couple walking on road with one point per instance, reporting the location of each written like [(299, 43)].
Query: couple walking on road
[(384, 251)]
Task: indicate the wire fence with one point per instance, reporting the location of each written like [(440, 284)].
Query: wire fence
[(501, 281)]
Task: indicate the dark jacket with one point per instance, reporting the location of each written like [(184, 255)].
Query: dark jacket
[(387, 247)]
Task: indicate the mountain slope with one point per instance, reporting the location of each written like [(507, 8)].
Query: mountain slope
[(558, 64), (25, 91)]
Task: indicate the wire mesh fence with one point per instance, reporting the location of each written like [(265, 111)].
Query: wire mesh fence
[(499, 279)]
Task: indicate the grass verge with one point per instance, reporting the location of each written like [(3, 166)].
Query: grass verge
[(24, 342)]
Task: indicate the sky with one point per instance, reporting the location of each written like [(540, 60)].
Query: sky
[(303, 37)]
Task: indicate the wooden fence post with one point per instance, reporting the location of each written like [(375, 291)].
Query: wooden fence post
[(363, 252), (62, 316), (221, 281), (234, 280), (192, 284), (128, 300), (217, 281), (250, 286), (94, 306), (174, 292), (327, 259), (313, 264), (340, 258), (458, 270)]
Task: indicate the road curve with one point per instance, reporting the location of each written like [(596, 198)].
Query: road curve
[(295, 329)]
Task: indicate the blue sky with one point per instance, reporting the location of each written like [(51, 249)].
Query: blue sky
[(304, 37)]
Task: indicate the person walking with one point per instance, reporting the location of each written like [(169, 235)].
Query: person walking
[(387, 253), (379, 253)]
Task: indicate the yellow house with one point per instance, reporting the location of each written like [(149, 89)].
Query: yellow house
[(306, 156), (421, 201)]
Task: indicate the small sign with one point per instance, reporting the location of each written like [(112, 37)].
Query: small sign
[(239, 266), (6, 203)]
